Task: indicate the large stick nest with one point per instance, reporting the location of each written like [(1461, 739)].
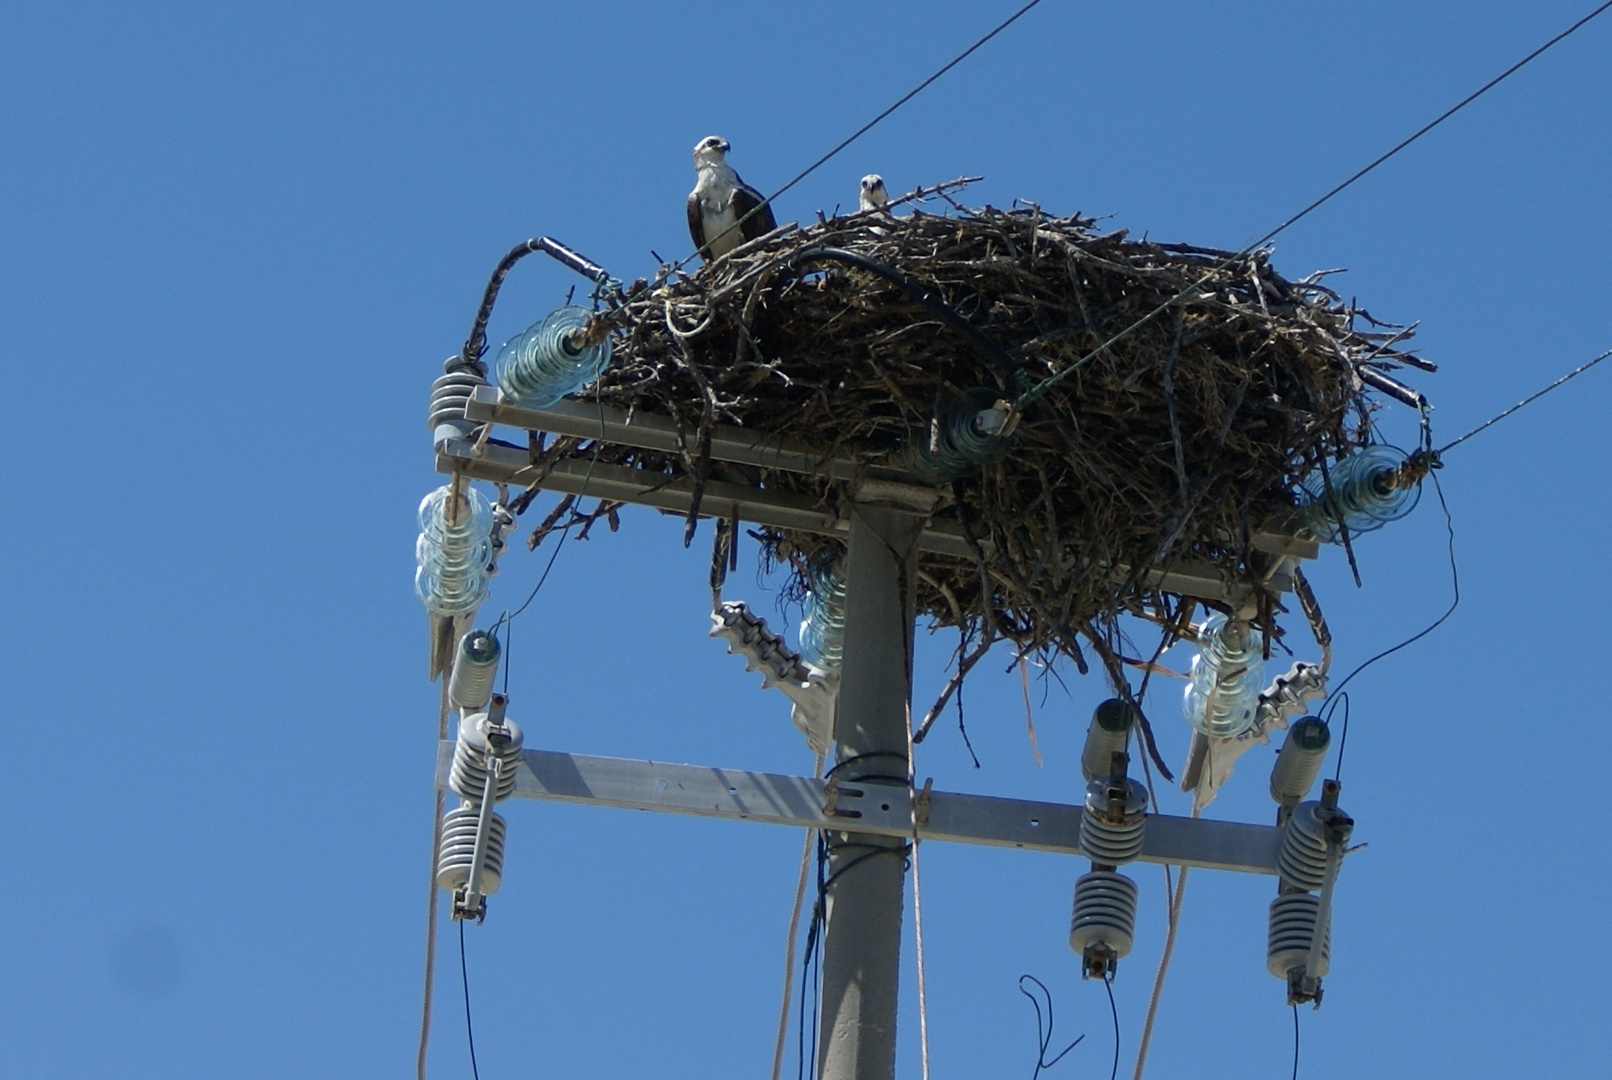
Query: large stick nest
[(1177, 441)]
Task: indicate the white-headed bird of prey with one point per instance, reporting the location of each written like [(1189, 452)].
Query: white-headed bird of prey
[(720, 200)]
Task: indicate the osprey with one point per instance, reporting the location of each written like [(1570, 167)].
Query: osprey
[(873, 195), (720, 200)]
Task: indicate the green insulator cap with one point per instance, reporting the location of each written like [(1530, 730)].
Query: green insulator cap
[(1115, 715), (1310, 734)]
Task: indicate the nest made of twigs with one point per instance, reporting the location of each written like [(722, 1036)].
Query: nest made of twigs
[(1176, 439)]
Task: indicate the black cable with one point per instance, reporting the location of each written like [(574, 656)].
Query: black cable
[(865, 128), (1043, 1036), (1108, 984), (1343, 738), (507, 619), (1040, 388), (1331, 702), (854, 758), (1295, 1041), (1536, 395), (813, 935), (470, 1032)]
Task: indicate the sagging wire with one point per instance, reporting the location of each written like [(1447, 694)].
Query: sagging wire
[(1043, 1032), (1036, 392), (506, 620), (1330, 705)]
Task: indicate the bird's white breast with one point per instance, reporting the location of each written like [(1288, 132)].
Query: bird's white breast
[(714, 189)]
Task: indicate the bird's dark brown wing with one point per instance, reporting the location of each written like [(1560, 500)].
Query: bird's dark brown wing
[(696, 226), (746, 199)]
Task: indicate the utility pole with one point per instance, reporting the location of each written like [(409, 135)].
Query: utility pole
[(866, 807), (862, 928)]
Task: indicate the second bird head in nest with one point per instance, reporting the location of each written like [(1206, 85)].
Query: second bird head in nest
[(872, 196)]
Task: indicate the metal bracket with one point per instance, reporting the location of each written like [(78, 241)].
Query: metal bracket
[(880, 809)]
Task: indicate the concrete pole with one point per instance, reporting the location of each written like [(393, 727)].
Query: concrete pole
[(862, 935)]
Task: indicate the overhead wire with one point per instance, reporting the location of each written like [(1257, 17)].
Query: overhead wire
[(1337, 696), (1530, 399), (864, 129), (1039, 389)]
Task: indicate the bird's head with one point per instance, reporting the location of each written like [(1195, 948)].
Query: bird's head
[(873, 193), (710, 151)]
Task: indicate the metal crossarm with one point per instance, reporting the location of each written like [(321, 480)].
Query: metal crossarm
[(868, 807)]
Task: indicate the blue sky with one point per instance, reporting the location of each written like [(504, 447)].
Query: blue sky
[(237, 241)]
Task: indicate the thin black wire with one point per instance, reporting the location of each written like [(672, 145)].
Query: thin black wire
[(1295, 1041), (1040, 388), (813, 935), (865, 128), (1581, 369), (507, 619), (1343, 740), (1331, 702), (1108, 984), (470, 1032), (1043, 1034)]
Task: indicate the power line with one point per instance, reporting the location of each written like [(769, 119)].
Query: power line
[(1535, 396), (1035, 392), (865, 128)]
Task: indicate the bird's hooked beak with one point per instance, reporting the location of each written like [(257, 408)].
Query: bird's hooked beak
[(710, 148)]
